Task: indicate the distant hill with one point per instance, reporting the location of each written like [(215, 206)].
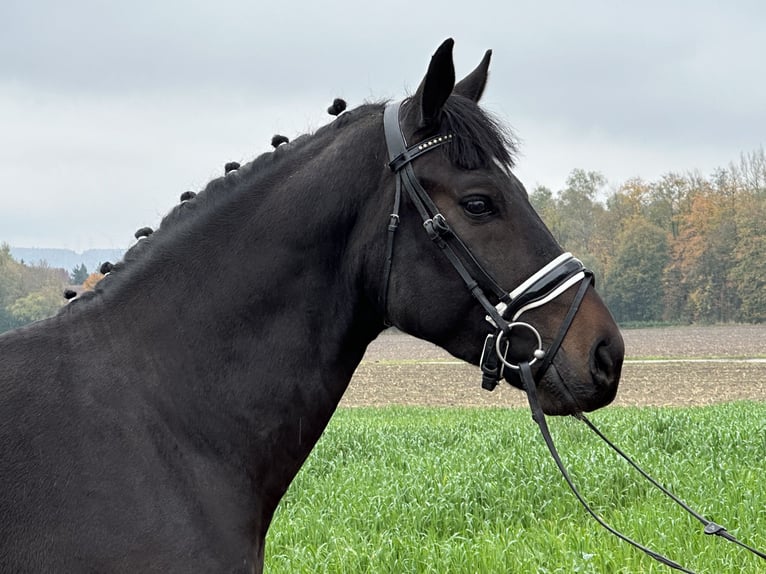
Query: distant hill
[(66, 258)]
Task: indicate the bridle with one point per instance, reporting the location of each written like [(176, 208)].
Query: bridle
[(542, 287), (545, 285)]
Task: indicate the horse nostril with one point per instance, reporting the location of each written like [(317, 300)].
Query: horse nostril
[(606, 362)]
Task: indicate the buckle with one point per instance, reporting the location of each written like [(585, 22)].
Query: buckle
[(491, 367), (436, 227)]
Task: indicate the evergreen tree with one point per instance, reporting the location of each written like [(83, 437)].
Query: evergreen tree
[(78, 275)]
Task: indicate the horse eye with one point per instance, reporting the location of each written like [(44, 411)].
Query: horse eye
[(478, 206)]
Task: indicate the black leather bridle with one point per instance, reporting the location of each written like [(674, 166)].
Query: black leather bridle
[(553, 279), (548, 283)]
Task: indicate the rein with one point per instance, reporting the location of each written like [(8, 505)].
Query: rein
[(545, 285), (539, 417), (710, 528)]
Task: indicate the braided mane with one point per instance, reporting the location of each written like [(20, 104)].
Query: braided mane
[(479, 139)]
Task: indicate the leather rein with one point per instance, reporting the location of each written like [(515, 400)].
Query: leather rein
[(558, 276)]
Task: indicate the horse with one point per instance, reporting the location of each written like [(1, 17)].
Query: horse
[(155, 423)]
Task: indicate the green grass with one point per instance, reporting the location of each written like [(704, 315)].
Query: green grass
[(474, 490)]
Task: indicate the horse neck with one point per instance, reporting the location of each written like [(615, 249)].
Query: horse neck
[(248, 334)]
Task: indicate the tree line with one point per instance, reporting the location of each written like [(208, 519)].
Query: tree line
[(682, 249), (32, 292), (28, 292)]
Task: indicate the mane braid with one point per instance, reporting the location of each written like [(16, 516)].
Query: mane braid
[(478, 140), (192, 206)]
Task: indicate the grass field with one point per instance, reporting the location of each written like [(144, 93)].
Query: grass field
[(463, 489), (411, 489)]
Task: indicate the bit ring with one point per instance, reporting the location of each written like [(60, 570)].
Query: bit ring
[(537, 354)]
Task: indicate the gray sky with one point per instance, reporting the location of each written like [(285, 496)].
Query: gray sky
[(110, 110)]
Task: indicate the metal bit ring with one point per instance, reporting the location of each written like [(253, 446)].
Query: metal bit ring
[(537, 354)]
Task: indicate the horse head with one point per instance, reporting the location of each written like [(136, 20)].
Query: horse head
[(473, 268)]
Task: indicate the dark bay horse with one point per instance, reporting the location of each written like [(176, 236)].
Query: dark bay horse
[(154, 424)]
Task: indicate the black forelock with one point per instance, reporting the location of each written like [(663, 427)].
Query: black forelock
[(478, 138)]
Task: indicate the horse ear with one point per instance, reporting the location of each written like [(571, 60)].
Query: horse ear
[(472, 86), (436, 86)]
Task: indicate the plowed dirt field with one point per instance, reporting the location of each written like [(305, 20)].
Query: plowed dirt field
[(680, 366)]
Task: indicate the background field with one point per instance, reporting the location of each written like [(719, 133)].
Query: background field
[(416, 488), (680, 366)]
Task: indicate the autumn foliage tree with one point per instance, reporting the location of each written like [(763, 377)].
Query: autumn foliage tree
[(91, 281), (684, 248), (28, 292)]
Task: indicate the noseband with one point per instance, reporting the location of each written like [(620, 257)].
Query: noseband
[(542, 287)]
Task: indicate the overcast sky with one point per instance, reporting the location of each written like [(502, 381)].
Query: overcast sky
[(110, 110)]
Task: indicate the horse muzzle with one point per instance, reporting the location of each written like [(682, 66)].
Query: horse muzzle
[(565, 386)]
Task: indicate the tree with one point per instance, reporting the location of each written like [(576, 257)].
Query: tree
[(749, 270), (28, 293), (91, 281), (37, 305), (10, 287), (630, 199), (545, 205), (668, 199), (635, 276), (702, 259), (577, 205), (627, 202), (78, 274), (750, 173)]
